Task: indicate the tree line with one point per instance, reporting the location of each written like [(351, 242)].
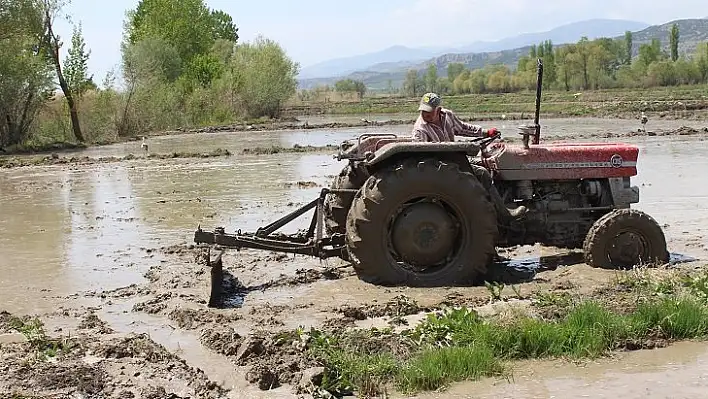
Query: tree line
[(585, 65), (182, 65)]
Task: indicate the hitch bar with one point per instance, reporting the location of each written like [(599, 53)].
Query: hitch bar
[(312, 243)]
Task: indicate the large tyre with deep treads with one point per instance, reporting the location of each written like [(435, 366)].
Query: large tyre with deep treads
[(336, 207), (625, 238), (421, 224)]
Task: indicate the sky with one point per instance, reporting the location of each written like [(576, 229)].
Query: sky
[(311, 31)]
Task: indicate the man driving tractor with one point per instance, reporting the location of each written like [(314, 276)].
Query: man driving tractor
[(437, 124)]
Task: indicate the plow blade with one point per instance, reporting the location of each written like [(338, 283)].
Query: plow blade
[(217, 278)]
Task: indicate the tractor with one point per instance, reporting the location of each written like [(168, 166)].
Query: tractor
[(405, 212)]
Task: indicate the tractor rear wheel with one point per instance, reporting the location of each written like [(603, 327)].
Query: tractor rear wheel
[(625, 238), (337, 205), (421, 223)]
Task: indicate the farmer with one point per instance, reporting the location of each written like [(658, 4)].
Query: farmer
[(437, 124)]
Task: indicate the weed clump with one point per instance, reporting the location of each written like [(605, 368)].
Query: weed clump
[(458, 344)]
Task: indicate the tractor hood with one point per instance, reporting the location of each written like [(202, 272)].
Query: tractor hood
[(562, 161)]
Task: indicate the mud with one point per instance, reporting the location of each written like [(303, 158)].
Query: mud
[(660, 111), (55, 159), (90, 364), (102, 253)]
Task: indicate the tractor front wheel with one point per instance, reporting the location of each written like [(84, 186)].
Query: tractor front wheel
[(625, 238), (421, 224)]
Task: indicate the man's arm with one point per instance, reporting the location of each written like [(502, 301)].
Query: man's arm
[(419, 135), (461, 128)]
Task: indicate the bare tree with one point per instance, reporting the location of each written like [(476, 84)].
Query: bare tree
[(53, 44)]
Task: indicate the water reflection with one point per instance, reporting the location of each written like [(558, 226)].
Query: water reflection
[(103, 247), (34, 229)]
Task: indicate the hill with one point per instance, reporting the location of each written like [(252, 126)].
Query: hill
[(591, 28), (343, 66), (402, 56), (692, 32)]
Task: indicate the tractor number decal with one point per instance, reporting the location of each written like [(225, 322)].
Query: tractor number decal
[(616, 161)]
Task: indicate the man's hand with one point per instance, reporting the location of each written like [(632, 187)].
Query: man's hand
[(492, 132)]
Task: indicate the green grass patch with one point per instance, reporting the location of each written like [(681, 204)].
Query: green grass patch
[(434, 368), (555, 103), (33, 330), (458, 344)]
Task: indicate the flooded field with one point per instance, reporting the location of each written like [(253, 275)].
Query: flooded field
[(113, 240)]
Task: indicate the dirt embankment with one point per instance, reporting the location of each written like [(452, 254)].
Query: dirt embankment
[(341, 125), (55, 159)]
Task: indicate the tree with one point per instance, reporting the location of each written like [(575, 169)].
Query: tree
[(263, 76), (223, 26), (25, 77), (411, 85), (583, 60), (188, 26), (674, 42), (151, 60), (454, 69), (549, 63), (431, 78), (628, 47), (701, 60), (52, 44), (17, 18), (350, 86), (650, 53), (76, 65)]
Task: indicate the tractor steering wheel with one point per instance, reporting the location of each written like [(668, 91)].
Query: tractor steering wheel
[(486, 142)]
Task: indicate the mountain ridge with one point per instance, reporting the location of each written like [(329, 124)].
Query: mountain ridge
[(693, 31), (592, 28)]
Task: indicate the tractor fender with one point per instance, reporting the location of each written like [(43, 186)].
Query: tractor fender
[(457, 151)]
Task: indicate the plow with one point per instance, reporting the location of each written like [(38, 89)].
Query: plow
[(420, 214)]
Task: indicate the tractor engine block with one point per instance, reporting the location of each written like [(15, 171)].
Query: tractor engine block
[(561, 212)]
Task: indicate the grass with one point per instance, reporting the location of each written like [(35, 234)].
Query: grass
[(619, 102), (33, 330), (457, 344), (433, 368)]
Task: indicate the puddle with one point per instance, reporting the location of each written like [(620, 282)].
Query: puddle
[(679, 371)]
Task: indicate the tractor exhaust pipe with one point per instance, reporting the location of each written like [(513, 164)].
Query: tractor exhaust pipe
[(539, 85)]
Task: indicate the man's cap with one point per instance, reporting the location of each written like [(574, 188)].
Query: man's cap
[(429, 102)]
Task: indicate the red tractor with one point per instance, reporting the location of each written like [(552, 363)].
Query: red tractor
[(414, 213)]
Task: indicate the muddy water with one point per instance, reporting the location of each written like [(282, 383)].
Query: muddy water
[(73, 230), (680, 371), (235, 142)]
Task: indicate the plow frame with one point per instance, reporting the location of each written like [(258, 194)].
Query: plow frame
[(312, 242)]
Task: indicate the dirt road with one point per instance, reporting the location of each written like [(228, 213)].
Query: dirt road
[(101, 254)]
